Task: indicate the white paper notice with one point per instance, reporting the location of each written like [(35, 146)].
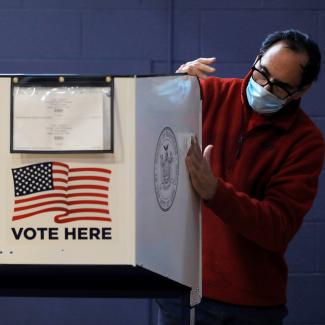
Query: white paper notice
[(58, 119)]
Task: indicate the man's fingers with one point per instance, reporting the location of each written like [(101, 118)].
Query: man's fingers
[(206, 60), (194, 155), (195, 179), (192, 170), (194, 151), (199, 67), (180, 69), (191, 167), (197, 149), (192, 71), (193, 161), (197, 73), (204, 67)]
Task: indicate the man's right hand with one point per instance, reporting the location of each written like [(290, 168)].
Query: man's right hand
[(199, 67)]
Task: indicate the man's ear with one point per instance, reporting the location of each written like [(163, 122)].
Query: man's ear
[(301, 92)]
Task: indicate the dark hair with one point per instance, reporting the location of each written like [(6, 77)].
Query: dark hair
[(300, 43)]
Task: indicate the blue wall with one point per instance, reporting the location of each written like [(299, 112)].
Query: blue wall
[(155, 36)]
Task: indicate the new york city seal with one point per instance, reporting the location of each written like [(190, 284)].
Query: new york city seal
[(166, 169)]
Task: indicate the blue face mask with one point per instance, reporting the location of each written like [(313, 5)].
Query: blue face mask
[(261, 100)]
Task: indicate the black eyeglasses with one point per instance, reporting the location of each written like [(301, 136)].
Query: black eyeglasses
[(277, 89)]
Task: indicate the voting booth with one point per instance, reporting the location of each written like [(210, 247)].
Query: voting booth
[(93, 173)]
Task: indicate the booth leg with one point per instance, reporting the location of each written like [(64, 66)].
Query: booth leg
[(192, 316), (186, 311)]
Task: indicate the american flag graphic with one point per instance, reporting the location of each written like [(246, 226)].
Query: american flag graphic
[(67, 194)]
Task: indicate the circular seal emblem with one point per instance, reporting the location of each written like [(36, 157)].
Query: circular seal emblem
[(166, 169)]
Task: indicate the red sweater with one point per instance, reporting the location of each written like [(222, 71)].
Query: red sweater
[(268, 169)]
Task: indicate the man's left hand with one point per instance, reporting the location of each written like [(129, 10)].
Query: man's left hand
[(199, 168)]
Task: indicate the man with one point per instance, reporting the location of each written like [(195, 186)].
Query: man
[(257, 179)]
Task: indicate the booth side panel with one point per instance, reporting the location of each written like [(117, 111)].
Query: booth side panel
[(167, 210)]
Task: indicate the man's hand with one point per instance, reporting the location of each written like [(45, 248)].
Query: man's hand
[(199, 67), (199, 168)]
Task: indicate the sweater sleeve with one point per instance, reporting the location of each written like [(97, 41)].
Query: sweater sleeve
[(272, 222)]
